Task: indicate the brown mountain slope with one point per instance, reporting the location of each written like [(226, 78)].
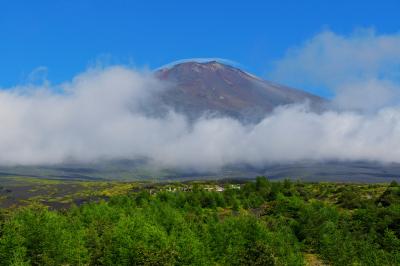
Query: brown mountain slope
[(212, 87)]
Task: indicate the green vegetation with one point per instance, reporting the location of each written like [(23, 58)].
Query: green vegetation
[(206, 223)]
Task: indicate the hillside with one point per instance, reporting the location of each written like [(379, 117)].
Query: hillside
[(197, 88)]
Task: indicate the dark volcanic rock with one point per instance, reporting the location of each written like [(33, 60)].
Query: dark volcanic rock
[(212, 87)]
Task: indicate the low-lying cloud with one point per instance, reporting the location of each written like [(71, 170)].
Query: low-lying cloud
[(100, 115)]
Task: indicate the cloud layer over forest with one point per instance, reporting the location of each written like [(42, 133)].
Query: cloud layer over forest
[(99, 114)]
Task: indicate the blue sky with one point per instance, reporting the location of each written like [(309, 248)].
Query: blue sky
[(68, 36), (347, 51)]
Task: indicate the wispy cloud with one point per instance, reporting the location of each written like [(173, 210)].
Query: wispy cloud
[(362, 69)]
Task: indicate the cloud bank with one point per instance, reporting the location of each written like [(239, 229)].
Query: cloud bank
[(100, 115), (361, 69)]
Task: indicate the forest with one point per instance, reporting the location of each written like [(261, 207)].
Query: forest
[(259, 222)]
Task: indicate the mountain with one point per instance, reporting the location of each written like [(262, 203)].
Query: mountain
[(196, 88)]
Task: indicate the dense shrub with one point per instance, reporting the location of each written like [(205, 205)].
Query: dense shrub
[(263, 223)]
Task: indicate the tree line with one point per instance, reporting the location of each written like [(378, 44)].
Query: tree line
[(262, 223)]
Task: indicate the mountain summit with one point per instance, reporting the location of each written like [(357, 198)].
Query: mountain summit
[(213, 87)]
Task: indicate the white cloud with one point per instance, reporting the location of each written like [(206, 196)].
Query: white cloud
[(100, 117), (367, 95), (363, 67), (329, 59)]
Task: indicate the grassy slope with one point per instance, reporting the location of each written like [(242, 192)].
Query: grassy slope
[(20, 190)]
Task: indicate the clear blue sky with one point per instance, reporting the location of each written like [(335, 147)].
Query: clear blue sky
[(67, 36)]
